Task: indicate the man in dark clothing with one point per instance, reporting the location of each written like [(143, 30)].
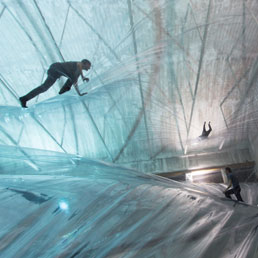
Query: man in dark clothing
[(233, 182), (205, 133), (71, 70)]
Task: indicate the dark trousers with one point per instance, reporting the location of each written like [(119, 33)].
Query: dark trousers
[(51, 79), (236, 191)]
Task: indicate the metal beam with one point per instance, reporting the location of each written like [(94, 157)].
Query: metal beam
[(152, 79), (27, 157), (64, 27), (97, 130), (63, 131), (74, 129), (174, 39), (139, 74), (184, 59), (50, 135), (254, 75), (201, 38), (8, 87), (2, 11), (29, 37), (247, 164), (251, 83), (199, 67), (110, 96), (230, 91), (49, 31), (94, 31)]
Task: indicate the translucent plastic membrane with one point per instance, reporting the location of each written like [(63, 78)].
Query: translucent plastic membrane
[(160, 68), (100, 210)]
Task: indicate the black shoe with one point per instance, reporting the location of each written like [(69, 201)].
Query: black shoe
[(64, 89), (23, 102)]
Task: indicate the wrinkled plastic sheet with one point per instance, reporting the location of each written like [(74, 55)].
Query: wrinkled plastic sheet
[(100, 210)]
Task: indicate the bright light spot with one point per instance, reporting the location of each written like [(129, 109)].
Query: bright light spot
[(186, 147), (202, 172), (63, 205), (221, 145), (31, 164), (196, 141), (190, 176)]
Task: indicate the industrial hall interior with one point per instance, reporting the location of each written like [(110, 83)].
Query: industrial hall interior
[(129, 128)]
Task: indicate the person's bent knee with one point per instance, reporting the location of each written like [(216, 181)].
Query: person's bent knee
[(64, 89)]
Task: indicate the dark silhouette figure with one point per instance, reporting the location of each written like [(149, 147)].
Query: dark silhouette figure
[(205, 133), (234, 183), (71, 70)]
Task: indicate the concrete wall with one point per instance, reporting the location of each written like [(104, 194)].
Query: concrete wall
[(188, 162)]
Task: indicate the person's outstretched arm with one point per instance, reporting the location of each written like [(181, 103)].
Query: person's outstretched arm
[(81, 73), (229, 185), (78, 91)]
